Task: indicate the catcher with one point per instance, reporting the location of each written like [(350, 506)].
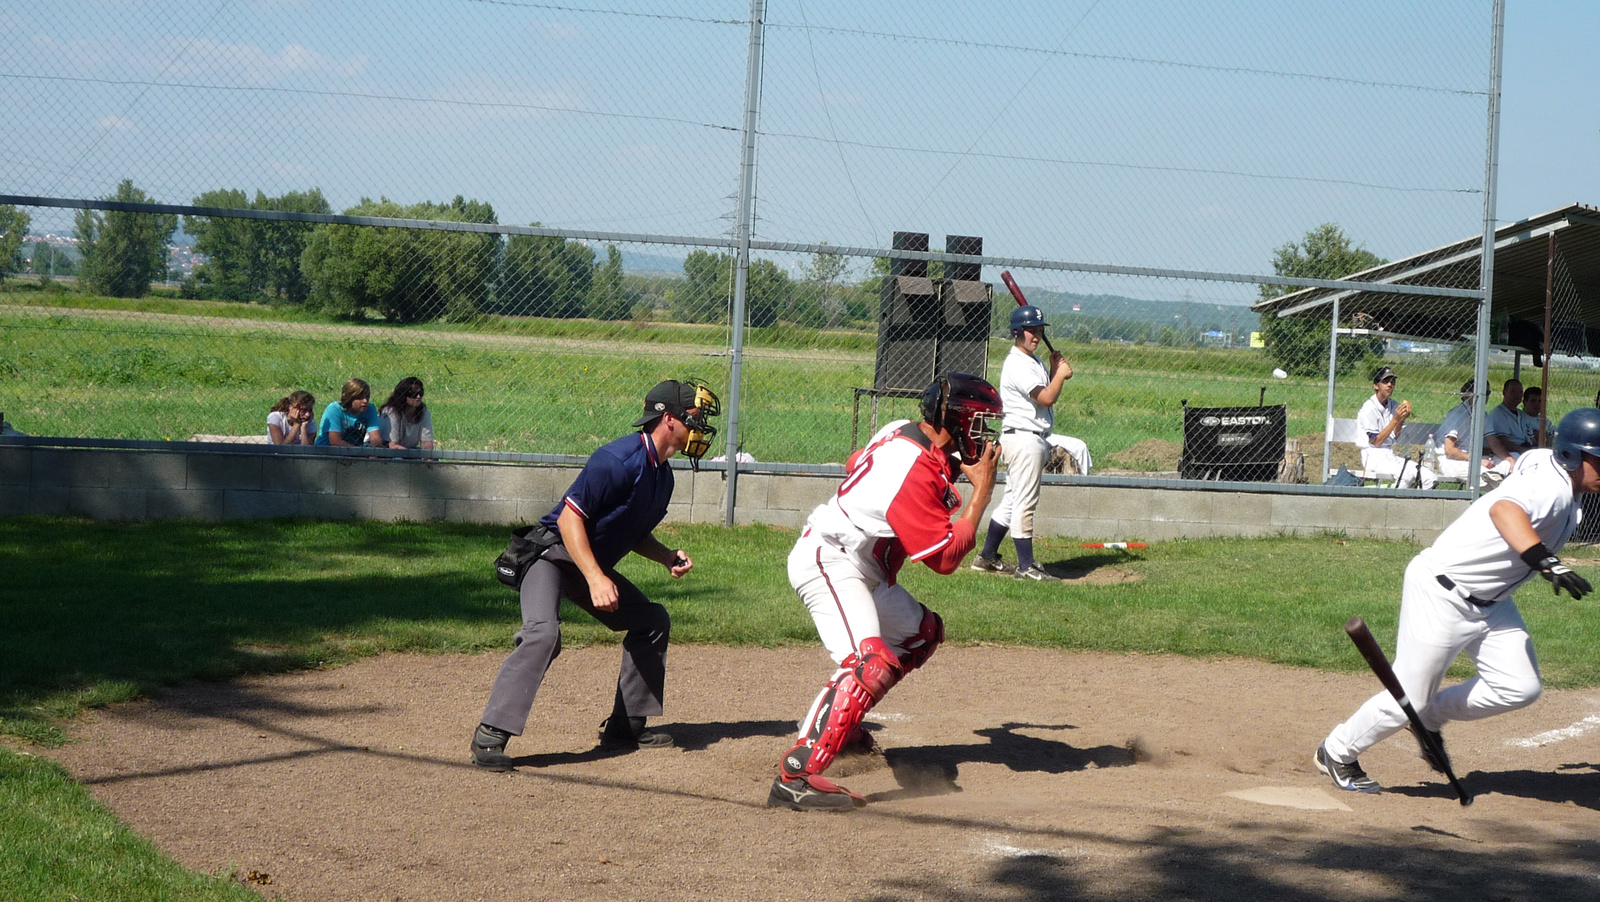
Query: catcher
[(894, 505)]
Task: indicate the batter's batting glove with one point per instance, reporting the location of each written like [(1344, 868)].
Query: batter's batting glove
[(1560, 575)]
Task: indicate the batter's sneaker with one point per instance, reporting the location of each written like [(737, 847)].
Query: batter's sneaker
[(1346, 776), (990, 565), (1035, 573), (626, 734), (489, 748), (808, 793), (1440, 762)]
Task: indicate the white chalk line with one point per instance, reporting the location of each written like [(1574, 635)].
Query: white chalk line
[(1587, 725)]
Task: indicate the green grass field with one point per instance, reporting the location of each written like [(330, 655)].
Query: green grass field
[(165, 368), (93, 613)]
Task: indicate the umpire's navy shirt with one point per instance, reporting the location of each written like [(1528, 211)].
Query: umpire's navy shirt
[(621, 495)]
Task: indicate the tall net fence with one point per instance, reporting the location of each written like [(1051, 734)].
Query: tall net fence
[(534, 208)]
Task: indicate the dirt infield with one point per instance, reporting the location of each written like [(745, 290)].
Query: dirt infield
[(1006, 774)]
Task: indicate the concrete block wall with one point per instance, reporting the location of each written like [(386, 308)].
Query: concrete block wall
[(170, 480)]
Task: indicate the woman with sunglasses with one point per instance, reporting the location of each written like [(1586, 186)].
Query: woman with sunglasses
[(404, 419)]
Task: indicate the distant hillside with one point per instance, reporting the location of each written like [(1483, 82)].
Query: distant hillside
[(1063, 308)]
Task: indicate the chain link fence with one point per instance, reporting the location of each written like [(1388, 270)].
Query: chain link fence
[(536, 210)]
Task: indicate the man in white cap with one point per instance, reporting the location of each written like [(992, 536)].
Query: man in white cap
[(1378, 426)]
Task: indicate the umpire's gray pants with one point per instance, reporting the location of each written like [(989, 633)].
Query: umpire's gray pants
[(642, 680)]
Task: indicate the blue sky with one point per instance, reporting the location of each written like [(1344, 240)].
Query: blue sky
[(1191, 135)]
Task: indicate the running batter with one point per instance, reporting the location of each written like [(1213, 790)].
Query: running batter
[(894, 505), (1457, 598)]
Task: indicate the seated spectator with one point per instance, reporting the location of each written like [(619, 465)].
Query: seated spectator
[(404, 420), (1503, 428), (1064, 448), (289, 421), (351, 421), (1377, 426), (1532, 415), (1452, 437)]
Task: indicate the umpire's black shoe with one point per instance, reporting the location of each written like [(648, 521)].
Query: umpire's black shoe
[(628, 733), (489, 748), (1440, 762)]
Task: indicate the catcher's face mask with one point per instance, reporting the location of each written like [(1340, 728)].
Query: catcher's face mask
[(706, 405)]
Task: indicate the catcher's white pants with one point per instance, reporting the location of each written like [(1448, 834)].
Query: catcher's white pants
[(1383, 463), (1436, 625), (848, 604), (1024, 455)]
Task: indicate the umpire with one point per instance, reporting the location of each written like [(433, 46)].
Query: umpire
[(611, 509)]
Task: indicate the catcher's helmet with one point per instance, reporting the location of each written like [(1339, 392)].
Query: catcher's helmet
[(1577, 434), (1026, 316), (967, 407)]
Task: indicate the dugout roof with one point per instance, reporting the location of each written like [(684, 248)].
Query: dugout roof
[(1517, 305)]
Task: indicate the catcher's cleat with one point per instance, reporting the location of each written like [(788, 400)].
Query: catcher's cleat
[(629, 733), (811, 793), (1345, 776), (1440, 762), (489, 748), (990, 565)]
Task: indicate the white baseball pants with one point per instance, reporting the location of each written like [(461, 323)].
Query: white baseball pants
[(847, 604), (1436, 625), (1024, 455)]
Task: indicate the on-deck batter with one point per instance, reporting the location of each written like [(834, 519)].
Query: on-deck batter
[(1028, 391)]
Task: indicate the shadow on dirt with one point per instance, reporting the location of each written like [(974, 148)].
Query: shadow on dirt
[(934, 769), (1271, 867), (1578, 784)]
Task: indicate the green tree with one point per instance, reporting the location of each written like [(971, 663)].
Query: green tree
[(404, 275), (707, 291), (825, 273), (49, 261), (608, 297), (13, 228), (124, 252), (546, 277), (767, 291), (232, 268), (1300, 344)]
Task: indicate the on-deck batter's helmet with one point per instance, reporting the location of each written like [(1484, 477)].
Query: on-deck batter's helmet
[(967, 407), (1577, 434), (1026, 316)]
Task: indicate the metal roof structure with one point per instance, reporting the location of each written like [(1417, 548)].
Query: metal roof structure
[(1520, 274)]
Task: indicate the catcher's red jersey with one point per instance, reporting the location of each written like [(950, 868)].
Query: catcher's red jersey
[(895, 503)]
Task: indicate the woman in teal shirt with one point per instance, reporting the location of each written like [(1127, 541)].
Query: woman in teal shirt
[(351, 421)]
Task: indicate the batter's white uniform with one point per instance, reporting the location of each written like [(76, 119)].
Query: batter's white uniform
[(1380, 461), (1024, 440), (1457, 598), (894, 505)]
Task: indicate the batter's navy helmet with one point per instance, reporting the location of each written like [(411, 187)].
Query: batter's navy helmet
[(1577, 434), (1026, 316)]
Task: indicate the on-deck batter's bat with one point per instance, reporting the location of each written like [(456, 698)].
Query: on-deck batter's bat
[(1356, 628), (1016, 292), (1122, 545)]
